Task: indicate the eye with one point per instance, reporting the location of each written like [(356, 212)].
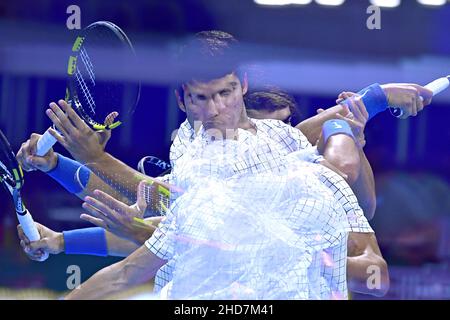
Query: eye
[(200, 97), (225, 93)]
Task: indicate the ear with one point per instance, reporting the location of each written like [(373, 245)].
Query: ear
[(245, 84), (179, 101)]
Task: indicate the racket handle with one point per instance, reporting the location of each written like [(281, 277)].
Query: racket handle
[(45, 143), (30, 230), (439, 85), (436, 86)]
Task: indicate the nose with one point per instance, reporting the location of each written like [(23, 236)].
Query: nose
[(212, 108)]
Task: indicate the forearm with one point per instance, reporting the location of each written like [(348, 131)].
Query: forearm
[(120, 247), (312, 127), (364, 187), (118, 175), (104, 283), (342, 152), (138, 268), (96, 183), (367, 271), (78, 179)]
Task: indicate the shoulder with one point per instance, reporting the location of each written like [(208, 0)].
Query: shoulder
[(283, 133)]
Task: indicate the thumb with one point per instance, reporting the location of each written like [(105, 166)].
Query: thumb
[(426, 94), (320, 110)]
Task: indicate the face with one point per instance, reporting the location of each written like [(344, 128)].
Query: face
[(218, 104), (281, 114)]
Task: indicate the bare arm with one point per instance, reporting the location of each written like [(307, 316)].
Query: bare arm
[(347, 155), (364, 187), (342, 152), (87, 147), (312, 127), (29, 161), (119, 247), (367, 271), (137, 268)]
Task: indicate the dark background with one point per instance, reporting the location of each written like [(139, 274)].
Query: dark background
[(313, 51)]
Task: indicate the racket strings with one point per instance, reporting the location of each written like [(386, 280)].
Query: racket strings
[(87, 64), (85, 90), (156, 199), (6, 176)]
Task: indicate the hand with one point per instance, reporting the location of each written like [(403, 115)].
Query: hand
[(344, 95), (51, 242), (407, 96), (27, 158), (117, 217), (357, 118), (84, 144)]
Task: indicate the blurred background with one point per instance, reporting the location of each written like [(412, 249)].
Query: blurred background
[(312, 49)]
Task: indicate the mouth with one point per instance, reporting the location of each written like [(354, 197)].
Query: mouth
[(210, 123)]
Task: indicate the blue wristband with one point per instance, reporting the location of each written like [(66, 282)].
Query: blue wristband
[(335, 126), (70, 174), (91, 241), (374, 99)]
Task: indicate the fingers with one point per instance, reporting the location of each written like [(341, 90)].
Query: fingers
[(33, 255), (109, 120), (73, 116), (111, 203), (143, 195), (92, 208), (57, 136), (41, 244), (341, 117), (344, 95), (26, 150), (426, 94), (32, 147), (355, 107), (419, 104), (22, 235), (56, 121), (95, 221), (413, 105)]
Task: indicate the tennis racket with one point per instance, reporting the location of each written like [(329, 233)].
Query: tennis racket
[(11, 177), (153, 166), (436, 86), (101, 48), (157, 196)]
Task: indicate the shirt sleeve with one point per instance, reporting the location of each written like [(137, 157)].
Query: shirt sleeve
[(159, 243), (345, 196)]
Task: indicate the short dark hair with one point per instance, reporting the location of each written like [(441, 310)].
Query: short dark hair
[(207, 55), (270, 100)]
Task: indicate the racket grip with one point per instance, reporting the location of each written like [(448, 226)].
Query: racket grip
[(45, 143), (30, 230), (439, 85)]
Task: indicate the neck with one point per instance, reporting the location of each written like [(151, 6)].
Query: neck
[(245, 123)]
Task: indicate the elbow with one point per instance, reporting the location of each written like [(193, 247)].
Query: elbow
[(369, 207), (373, 279), (350, 166), (351, 169), (385, 281), (379, 287)]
